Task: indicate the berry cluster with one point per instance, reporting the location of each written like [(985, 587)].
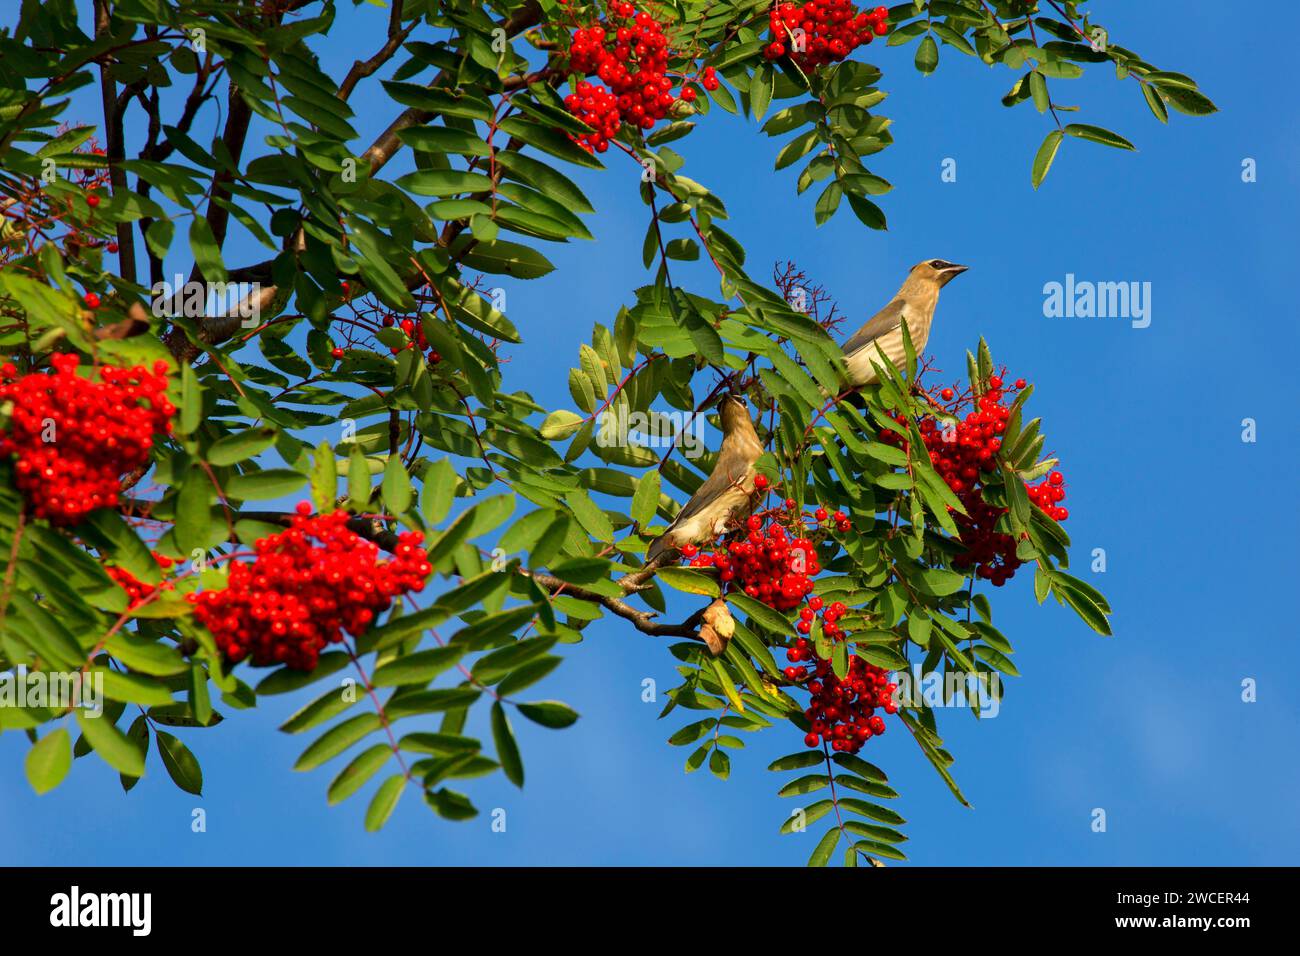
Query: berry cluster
[(1049, 496), (629, 53), (842, 713), (776, 566), (962, 454), (414, 332), (304, 588), (74, 436), (136, 590), (822, 31), (774, 562)]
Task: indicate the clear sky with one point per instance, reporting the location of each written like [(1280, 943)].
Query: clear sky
[(1148, 725)]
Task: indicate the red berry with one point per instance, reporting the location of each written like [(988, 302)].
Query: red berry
[(947, 394), (103, 423), (305, 588), (92, 300), (92, 200)]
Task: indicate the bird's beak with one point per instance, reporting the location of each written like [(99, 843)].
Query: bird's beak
[(952, 272)]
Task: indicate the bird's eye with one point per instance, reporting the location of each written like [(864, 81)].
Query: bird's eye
[(937, 263)]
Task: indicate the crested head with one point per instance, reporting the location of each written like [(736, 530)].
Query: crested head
[(938, 271), (733, 413)]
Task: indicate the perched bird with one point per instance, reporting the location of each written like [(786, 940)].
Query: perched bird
[(725, 492), (881, 339)]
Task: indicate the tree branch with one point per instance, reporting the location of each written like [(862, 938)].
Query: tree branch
[(114, 145), (364, 68)]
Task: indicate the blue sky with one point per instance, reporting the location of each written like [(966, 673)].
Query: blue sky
[(1148, 725)]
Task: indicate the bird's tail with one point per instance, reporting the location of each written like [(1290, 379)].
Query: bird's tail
[(657, 547)]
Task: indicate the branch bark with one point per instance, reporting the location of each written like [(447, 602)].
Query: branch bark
[(114, 145)]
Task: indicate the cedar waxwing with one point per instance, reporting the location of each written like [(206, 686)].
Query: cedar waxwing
[(725, 492), (881, 339)]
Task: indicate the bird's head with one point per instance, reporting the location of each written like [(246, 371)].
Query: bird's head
[(731, 410), (938, 271)]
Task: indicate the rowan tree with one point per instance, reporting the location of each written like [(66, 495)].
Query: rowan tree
[(282, 472)]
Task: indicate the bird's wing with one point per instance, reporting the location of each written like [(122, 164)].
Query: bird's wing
[(886, 320), (723, 477)]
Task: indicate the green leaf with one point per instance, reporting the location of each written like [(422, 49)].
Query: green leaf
[(762, 614), (48, 761), (810, 814), (437, 491), (1156, 104), (443, 182), (560, 425), (207, 255), (181, 765), (590, 515), (871, 811), (645, 501), (146, 656), (826, 846), (507, 749), (1038, 87), (192, 515), (761, 88), (1188, 101), (384, 802), (396, 486), (230, 449), (324, 478), (501, 257), (810, 783), (355, 775), (719, 764), (549, 713), (1043, 159), (264, 485), (133, 688), (798, 761), (111, 744), (689, 581), (927, 59), (1096, 134), (882, 656), (418, 668), (336, 740)]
